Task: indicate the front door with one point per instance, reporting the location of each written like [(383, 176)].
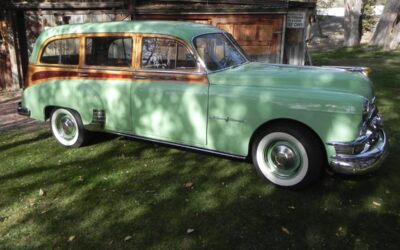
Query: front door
[(170, 94)]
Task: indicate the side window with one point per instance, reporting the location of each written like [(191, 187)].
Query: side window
[(163, 53), (62, 51), (109, 51)]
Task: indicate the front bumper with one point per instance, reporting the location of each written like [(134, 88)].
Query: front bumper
[(22, 110), (363, 162)]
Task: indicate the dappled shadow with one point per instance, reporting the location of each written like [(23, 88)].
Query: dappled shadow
[(105, 192), (15, 143), (117, 187)]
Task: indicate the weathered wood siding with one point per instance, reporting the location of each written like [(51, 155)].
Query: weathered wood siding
[(5, 62), (36, 21), (259, 35)]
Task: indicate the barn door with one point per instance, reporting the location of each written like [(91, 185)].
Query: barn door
[(5, 65), (261, 38)]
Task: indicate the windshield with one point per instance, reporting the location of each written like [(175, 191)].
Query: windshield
[(218, 52)]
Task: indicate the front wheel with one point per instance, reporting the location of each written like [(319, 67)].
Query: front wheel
[(67, 127), (289, 156)]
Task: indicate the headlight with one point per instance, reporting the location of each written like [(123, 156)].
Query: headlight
[(366, 110)]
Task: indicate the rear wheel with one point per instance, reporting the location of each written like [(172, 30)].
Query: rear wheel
[(67, 127), (289, 156)]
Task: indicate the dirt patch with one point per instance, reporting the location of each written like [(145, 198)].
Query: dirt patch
[(9, 118), (333, 34)]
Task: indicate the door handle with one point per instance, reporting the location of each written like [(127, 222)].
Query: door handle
[(140, 77), (83, 74)]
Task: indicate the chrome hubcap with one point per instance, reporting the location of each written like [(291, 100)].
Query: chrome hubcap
[(66, 126), (283, 159)]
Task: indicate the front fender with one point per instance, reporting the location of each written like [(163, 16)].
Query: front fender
[(235, 113)]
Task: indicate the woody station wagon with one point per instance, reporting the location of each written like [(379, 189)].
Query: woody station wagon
[(191, 85)]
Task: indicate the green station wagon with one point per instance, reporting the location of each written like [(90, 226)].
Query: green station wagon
[(191, 85)]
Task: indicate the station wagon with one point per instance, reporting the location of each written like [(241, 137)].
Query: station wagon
[(191, 85)]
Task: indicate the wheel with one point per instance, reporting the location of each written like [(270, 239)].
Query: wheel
[(67, 127), (288, 156)]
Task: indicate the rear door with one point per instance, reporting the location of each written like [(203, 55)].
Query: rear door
[(170, 96)]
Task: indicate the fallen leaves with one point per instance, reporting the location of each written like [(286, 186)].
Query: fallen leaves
[(188, 184), (285, 230), (44, 211), (377, 204), (42, 192), (71, 238)]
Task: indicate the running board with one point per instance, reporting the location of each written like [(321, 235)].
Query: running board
[(178, 145)]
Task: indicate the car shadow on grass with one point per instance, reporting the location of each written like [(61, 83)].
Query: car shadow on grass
[(129, 195)]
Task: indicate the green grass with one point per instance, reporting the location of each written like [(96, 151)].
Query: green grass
[(119, 187)]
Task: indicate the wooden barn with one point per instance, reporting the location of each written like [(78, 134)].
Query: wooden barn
[(268, 30)]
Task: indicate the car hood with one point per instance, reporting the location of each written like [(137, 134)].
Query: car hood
[(294, 77)]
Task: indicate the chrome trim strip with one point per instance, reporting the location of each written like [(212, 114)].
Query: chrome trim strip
[(283, 39), (56, 66), (178, 145), (126, 69), (227, 119), (170, 72), (360, 140)]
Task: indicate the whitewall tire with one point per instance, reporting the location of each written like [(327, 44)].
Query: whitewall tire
[(67, 128), (288, 156)]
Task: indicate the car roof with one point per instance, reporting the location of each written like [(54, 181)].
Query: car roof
[(183, 30)]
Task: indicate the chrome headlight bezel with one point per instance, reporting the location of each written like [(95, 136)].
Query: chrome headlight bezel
[(369, 109)]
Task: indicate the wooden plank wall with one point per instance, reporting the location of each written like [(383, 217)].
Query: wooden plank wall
[(259, 35), (5, 63), (37, 21)]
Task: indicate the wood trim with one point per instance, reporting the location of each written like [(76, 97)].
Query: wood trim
[(93, 35), (136, 48), (81, 52), (82, 47), (41, 74), (51, 39), (26, 5), (183, 42)]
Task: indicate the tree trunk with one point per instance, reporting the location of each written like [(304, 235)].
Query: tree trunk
[(352, 23), (387, 33)]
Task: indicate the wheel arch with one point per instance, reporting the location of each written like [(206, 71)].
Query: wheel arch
[(286, 121), (49, 109)]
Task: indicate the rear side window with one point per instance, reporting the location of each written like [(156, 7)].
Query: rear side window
[(164, 53), (109, 51), (62, 51)]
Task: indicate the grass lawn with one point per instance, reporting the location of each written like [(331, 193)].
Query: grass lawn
[(120, 193)]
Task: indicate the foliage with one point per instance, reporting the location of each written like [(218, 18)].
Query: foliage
[(367, 15), (123, 194), (323, 4)]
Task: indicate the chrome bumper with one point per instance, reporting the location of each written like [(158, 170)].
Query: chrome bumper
[(363, 162), (22, 110)]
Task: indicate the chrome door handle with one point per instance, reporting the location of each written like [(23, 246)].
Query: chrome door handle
[(83, 74), (140, 77)]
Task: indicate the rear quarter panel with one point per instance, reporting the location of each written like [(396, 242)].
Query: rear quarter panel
[(83, 96)]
